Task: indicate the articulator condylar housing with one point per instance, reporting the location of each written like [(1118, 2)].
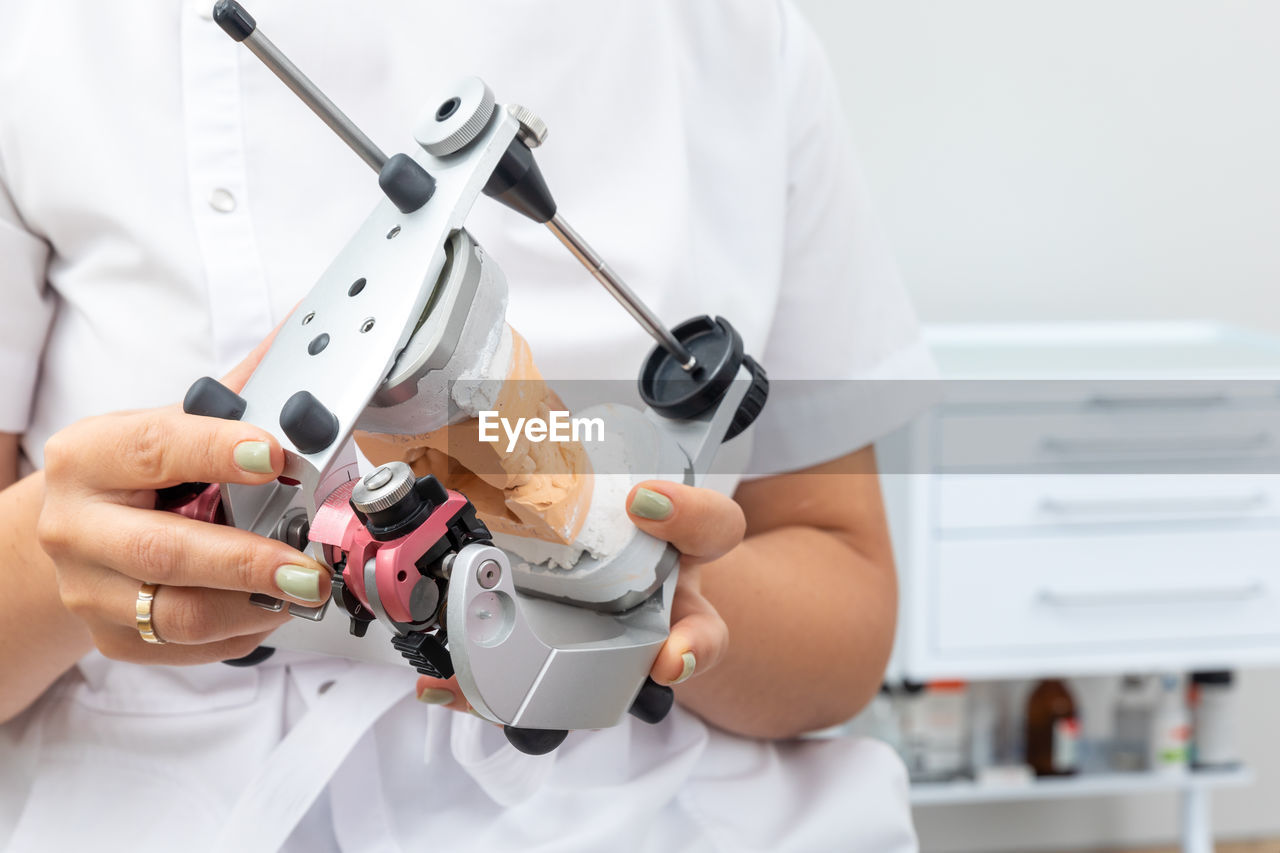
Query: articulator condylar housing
[(375, 345)]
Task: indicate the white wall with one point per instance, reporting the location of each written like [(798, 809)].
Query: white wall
[(1093, 160)]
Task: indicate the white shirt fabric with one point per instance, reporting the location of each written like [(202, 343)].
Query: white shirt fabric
[(164, 202)]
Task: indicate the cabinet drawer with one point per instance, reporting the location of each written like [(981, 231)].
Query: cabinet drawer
[(1103, 439), (1072, 594), (969, 502)]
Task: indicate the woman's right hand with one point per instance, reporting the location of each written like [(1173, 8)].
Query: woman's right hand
[(99, 526)]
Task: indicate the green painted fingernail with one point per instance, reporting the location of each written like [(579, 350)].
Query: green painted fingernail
[(254, 457), (651, 505), (435, 696), (301, 582), (690, 662)]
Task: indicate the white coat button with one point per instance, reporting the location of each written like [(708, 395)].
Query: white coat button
[(222, 201)]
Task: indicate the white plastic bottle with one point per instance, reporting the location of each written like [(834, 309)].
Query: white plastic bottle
[(984, 721), (942, 727), (1170, 729), (1133, 725)]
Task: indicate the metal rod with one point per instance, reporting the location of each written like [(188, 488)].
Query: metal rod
[(311, 95), (619, 290)]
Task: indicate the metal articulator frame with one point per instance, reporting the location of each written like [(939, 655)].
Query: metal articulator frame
[(341, 342)]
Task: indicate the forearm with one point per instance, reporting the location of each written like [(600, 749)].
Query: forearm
[(811, 623), (39, 638)]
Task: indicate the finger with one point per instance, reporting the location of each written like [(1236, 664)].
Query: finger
[(124, 644), (442, 691), (161, 447), (699, 636), (196, 617), (165, 548), (183, 615), (700, 523)]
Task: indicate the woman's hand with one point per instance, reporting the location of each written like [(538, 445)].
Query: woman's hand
[(703, 525), (99, 526)]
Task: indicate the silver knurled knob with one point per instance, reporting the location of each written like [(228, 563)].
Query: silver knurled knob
[(533, 130), (453, 122), (383, 488)]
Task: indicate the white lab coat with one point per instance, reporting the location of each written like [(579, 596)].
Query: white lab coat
[(164, 202)]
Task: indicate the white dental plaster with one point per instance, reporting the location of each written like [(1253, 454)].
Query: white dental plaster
[(488, 363)]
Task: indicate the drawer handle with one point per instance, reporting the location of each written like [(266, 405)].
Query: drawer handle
[(1191, 595), (1155, 506), (1200, 401), (1147, 447)]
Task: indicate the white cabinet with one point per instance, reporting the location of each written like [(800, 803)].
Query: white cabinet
[(1089, 499), (1193, 596)]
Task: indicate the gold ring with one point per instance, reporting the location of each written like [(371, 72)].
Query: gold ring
[(146, 596)]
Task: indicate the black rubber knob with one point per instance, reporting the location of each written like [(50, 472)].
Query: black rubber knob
[(210, 398), (310, 426), (406, 183), (671, 391), (254, 657), (233, 19), (753, 403), (653, 702), (535, 741)]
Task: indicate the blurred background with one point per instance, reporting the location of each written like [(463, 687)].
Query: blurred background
[(1080, 162)]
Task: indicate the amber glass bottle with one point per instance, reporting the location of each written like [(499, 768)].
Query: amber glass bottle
[(1053, 730)]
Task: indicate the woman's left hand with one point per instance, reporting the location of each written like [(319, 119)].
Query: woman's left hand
[(702, 525)]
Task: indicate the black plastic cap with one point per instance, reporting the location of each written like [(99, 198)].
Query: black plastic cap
[(406, 183), (535, 741), (210, 398), (518, 183), (233, 19), (431, 490), (671, 391), (310, 426), (653, 702), (1218, 677)]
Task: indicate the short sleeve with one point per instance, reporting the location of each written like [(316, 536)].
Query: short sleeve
[(26, 309), (844, 345)]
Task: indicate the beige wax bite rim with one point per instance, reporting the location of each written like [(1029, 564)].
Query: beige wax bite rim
[(509, 490)]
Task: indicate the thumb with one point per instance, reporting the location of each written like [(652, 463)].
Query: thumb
[(441, 691)]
